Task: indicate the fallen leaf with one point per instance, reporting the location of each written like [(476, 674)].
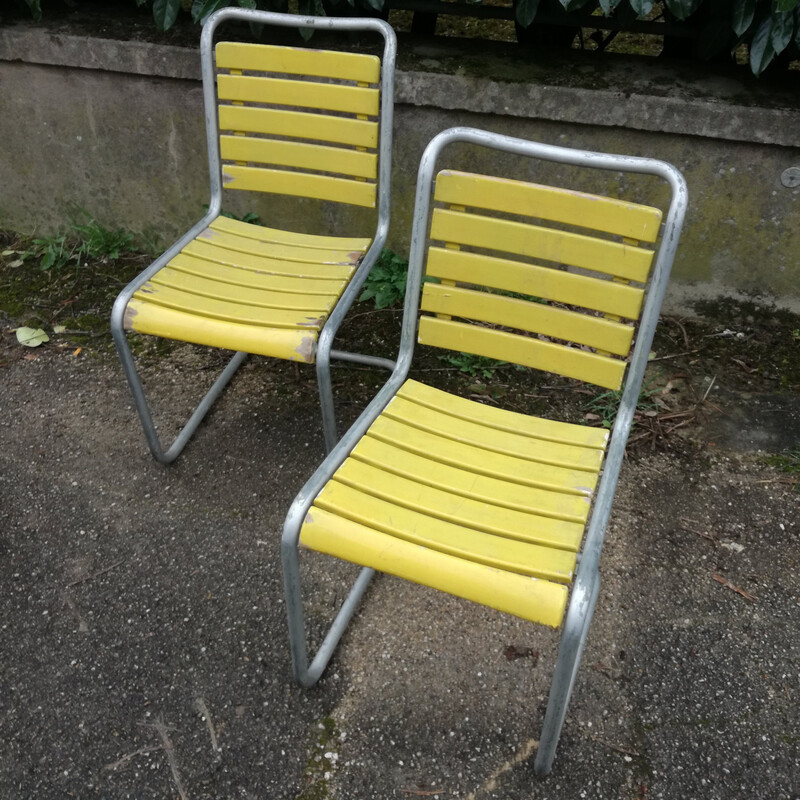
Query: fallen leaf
[(17, 262), (59, 328), (77, 351), (9, 252), (31, 337)]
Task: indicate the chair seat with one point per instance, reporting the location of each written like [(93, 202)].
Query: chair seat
[(245, 287), (483, 503)]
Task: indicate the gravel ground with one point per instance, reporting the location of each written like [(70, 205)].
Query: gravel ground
[(143, 632)]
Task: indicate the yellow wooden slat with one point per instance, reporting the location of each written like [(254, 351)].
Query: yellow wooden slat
[(456, 509), (524, 471), (298, 61), (493, 439), (558, 323), (547, 244), (548, 356), (502, 419), (298, 184), (219, 236), (309, 241), (597, 294), (251, 279), (207, 307), (245, 295), (550, 203), (314, 157), (292, 344), (259, 262), (530, 598), (299, 125), (299, 94), (459, 481), (494, 551)]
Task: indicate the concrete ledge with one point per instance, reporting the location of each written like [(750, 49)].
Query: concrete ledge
[(116, 127), (640, 94)]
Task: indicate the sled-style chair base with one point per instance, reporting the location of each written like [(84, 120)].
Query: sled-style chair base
[(494, 506), (292, 121)]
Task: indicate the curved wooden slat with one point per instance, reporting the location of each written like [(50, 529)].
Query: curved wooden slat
[(299, 94), (597, 294), (299, 184), (532, 599), (292, 344), (493, 439), (243, 295), (502, 419), (251, 279), (597, 212), (413, 526), (313, 157), (236, 312), (460, 481), (529, 352), (512, 468), (308, 241), (299, 125), (356, 67), (558, 323), (547, 244)]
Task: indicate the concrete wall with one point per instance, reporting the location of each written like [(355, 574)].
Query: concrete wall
[(116, 128)]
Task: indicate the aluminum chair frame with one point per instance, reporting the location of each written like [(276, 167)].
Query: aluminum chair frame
[(586, 585), (324, 347)]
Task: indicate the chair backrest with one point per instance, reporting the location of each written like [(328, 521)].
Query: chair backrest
[(300, 121), (537, 275)]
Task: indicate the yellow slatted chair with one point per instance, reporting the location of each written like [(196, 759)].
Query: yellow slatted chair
[(498, 507), (292, 121)]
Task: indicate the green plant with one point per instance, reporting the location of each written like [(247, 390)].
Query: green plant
[(476, 366), (386, 282), (605, 406), (83, 241), (787, 461), (250, 216)]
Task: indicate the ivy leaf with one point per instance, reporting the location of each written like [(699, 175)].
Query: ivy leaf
[(797, 26), (35, 7), (714, 37), (203, 9), (642, 7), (761, 50), (781, 31), (682, 8), (526, 12), (609, 5), (785, 5), (165, 12), (743, 12)]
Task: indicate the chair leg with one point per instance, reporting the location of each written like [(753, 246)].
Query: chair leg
[(304, 674), (326, 400), (573, 639), (145, 417)]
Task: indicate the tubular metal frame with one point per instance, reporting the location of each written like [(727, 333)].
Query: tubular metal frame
[(324, 351), (586, 585)]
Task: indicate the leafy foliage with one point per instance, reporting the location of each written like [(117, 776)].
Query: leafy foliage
[(476, 366), (769, 28), (83, 241), (386, 282), (604, 407)]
